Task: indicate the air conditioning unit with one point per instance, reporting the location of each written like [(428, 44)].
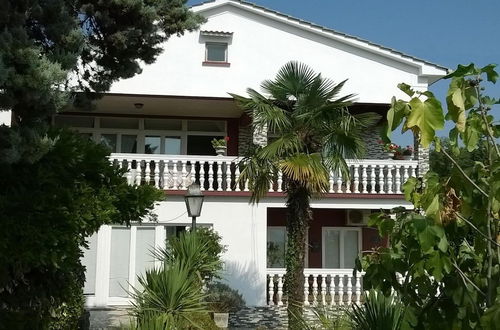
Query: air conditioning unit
[(357, 217)]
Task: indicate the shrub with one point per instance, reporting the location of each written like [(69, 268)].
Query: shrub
[(223, 299), (67, 315), (168, 297), (200, 250), (378, 312)]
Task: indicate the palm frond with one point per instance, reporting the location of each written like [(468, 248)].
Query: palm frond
[(307, 169), (259, 173), (291, 80), (288, 143)]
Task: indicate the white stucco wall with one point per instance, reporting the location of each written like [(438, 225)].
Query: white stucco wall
[(258, 48), (5, 117), (243, 228)]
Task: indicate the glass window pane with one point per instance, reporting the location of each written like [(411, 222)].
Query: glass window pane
[(127, 123), (74, 121), (152, 145), (350, 248), (276, 247), (89, 260), (172, 145), (207, 125), (145, 244), (216, 52), (119, 262), (332, 245), (86, 135), (109, 140), (129, 144), (163, 124)]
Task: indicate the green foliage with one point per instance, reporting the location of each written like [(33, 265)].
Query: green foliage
[(223, 299), (169, 296), (172, 297), (316, 133), (443, 259), (200, 251), (50, 203), (378, 312), (67, 315), (326, 318)]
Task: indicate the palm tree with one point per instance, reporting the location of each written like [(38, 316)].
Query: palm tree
[(316, 133)]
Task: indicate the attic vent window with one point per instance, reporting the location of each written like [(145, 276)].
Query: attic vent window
[(216, 47), (216, 52)]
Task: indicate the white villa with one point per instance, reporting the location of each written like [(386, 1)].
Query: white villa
[(159, 125)]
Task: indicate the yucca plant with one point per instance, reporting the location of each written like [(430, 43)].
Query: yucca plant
[(200, 251), (378, 312), (316, 134), (168, 297), (325, 318)]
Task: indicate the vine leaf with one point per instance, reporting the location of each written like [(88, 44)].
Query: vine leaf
[(425, 117)]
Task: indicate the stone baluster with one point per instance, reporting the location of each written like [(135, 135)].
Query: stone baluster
[(184, 179), (219, 175), (381, 179), (210, 176), (138, 172), (358, 288), (175, 175), (349, 289), (373, 178), (397, 181), (202, 175), (364, 179), (340, 290), (280, 181), (279, 296), (271, 289), (356, 178), (339, 182), (157, 174), (129, 172), (331, 290), (147, 172), (389, 179), (412, 171), (315, 288), (323, 289), (306, 290), (405, 173), (236, 177), (227, 172), (166, 171)]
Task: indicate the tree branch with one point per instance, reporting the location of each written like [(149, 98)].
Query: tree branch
[(477, 229), (463, 173)]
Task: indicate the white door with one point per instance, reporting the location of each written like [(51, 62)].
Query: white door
[(341, 246)]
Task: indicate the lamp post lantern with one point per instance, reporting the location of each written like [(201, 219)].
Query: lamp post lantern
[(194, 202)]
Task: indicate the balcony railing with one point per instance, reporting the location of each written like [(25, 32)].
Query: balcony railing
[(329, 287), (222, 174)]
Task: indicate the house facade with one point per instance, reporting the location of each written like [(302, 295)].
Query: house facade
[(159, 126)]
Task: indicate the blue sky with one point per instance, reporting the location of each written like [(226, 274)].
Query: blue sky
[(446, 32)]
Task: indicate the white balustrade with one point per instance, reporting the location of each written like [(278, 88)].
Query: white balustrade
[(223, 174), (321, 286)]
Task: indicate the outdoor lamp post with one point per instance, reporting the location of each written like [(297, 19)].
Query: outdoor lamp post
[(194, 202)]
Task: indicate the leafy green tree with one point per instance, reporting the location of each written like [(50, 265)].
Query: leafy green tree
[(441, 165), (316, 134), (443, 258), (57, 189), (49, 206)]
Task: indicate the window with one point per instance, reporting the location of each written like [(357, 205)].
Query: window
[(341, 246), (276, 247), (216, 52)]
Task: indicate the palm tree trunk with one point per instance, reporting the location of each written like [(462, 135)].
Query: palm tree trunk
[(298, 217)]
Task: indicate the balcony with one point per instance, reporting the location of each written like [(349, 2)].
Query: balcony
[(220, 175), (328, 287)]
